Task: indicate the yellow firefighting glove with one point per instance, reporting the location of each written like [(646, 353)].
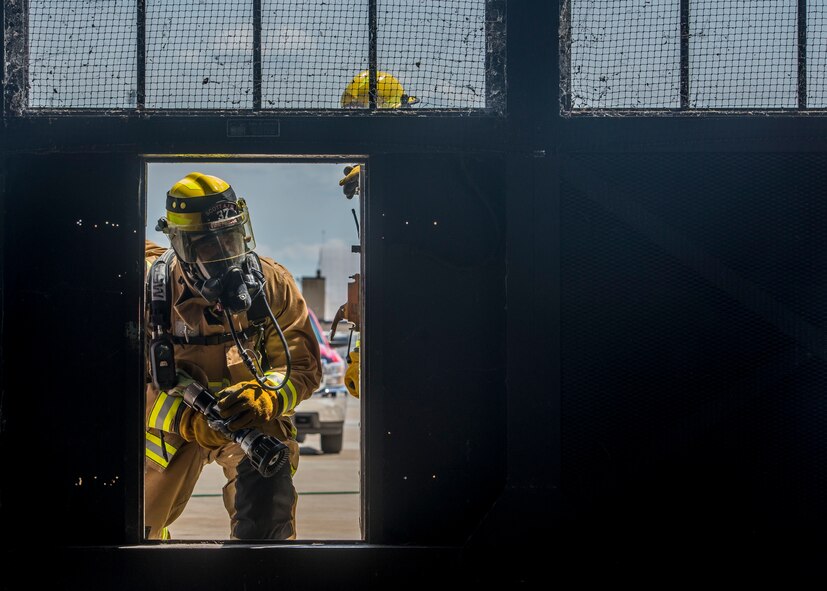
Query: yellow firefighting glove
[(350, 182), (251, 406), (194, 427), (352, 373)]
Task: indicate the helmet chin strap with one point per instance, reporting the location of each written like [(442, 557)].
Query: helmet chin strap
[(196, 284), (187, 279)]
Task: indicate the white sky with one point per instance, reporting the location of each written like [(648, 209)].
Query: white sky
[(298, 213)]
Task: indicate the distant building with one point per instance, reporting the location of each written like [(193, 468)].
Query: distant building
[(313, 290), (337, 264)]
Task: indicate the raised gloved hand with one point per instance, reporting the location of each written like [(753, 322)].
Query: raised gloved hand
[(350, 182), (352, 373), (194, 427), (249, 405)]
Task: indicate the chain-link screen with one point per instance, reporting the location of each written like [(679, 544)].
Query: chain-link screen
[(625, 54), (817, 54), (743, 54), (242, 55), (693, 55), (81, 54), (199, 54), (311, 51), (436, 50)]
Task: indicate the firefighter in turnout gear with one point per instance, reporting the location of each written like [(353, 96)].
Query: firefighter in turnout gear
[(235, 325), (390, 94), (350, 310)]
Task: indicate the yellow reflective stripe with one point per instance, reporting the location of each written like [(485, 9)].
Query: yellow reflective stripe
[(164, 411), (156, 408), (293, 390), (165, 534), (157, 441), (284, 401), (153, 450), (287, 403), (156, 458), (171, 414)]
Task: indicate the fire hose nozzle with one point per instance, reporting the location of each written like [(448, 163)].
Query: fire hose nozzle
[(267, 454)]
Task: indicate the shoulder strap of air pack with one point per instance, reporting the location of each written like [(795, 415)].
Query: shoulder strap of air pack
[(160, 291), (160, 294), (258, 307)]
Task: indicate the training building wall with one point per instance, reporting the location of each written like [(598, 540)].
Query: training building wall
[(636, 382)]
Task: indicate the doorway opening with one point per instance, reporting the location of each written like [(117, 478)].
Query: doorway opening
[(303, 219)]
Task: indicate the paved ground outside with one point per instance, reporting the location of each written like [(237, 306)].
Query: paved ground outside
[(328, 487)]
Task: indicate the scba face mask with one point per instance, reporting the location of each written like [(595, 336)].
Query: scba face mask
[(232, 282), (219, 262)]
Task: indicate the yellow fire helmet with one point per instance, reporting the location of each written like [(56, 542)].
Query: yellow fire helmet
[(389, 92), (201, 206)]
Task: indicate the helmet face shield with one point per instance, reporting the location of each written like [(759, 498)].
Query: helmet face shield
[(221, 240)]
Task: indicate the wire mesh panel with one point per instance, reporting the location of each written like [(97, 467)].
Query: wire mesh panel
[(250, 55), (625, 54), (743, 54), (692, 55), (199, 54), (81, 54), (816, 53), (436, 50), (310, 51)]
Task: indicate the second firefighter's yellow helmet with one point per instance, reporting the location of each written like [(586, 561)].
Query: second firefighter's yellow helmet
[(390, 94)]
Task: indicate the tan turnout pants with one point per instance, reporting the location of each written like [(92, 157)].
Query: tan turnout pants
[(259, 508)]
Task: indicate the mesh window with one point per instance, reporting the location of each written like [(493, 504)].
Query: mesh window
[(743, 54), (310, 51), (243, 55), (199, 54), (717, 54), (82, 54), (436, 50), (816, 53), (625, 54)]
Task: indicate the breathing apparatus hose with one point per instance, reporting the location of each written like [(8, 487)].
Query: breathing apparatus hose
[(250, 363)]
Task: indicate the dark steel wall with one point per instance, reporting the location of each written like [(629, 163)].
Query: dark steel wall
[(635, 385)]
